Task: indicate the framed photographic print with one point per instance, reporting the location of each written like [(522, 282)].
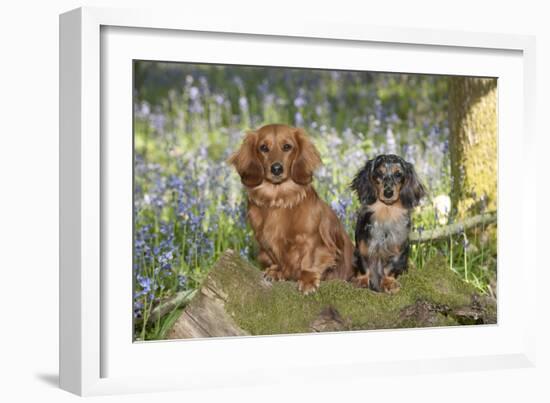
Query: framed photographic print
[(231, 194)]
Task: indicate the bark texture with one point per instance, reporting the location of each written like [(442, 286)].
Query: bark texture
[(473, 144)]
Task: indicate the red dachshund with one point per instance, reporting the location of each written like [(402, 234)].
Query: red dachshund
[(299, 236)]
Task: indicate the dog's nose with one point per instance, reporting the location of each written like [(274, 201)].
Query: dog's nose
[(276, 169), (388, 193)]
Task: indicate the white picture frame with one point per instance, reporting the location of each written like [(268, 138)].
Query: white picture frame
[(95, 350)]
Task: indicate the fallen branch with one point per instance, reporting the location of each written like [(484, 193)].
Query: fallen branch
[(453, 229)]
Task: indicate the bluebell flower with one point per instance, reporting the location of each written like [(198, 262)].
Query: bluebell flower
[(243, 103), (299, 101), (298, 119), (145, 283), (138, 307), (158, 121), (244, 252), (193, 93), (182, 281)]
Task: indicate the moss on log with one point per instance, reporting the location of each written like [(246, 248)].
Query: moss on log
[(235, 300)]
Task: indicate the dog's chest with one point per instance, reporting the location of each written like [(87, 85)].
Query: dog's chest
[(278, 227), (274, 222), (388, 229)]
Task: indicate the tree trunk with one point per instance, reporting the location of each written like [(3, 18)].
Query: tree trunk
[(235, 300), (473, 144)]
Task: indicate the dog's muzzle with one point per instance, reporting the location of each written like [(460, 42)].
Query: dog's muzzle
[(276, 169)]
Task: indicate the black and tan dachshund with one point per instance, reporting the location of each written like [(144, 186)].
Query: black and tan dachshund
[(388, 189)]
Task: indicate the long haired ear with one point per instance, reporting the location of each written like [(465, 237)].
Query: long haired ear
[(412, 190), (246, 161), (306, 161), (363, 184)]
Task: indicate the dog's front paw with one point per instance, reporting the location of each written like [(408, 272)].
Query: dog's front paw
[(362, 281), (390, 285), (308, 282), (273, 273)]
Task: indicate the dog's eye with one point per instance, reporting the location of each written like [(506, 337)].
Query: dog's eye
[(264, 148), (398, 175), (287, 147)]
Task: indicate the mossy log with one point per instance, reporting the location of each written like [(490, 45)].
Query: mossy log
[(235, 300)]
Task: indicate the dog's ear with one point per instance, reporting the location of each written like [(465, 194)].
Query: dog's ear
[(412, 190), (363, 184), (246, 161), (307, 159)]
